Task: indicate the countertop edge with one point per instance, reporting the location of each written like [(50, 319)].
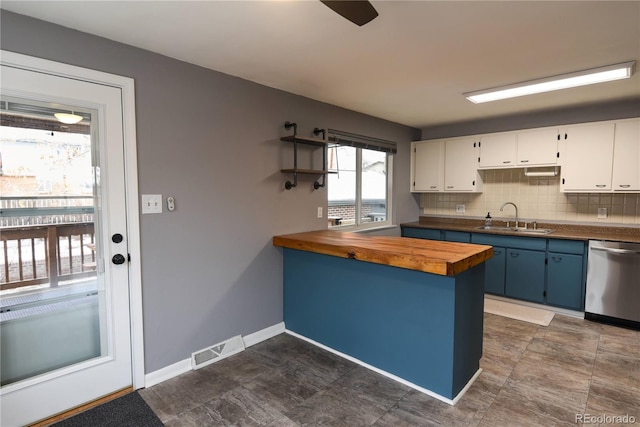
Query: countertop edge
[(380, 250), (560, 231)]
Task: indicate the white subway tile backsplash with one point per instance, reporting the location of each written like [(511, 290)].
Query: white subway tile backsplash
[(538, 198)]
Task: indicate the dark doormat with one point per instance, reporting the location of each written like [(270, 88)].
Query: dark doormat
[(129, 410)]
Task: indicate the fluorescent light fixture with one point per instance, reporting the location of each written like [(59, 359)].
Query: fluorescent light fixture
[(68, 119), (563, 81)]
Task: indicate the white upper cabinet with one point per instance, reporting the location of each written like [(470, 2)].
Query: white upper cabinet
[(498, 151), (626, 156), (600, 157), (530, 148), (427, 166), (537, 147), (587, 157), (461, 165)]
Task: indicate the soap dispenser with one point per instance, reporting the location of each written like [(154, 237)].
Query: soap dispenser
[(487, 220)]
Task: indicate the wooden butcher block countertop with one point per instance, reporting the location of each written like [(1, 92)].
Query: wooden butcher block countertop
[(429, 256)]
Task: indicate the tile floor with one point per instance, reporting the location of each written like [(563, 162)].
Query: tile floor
[(532, 376)]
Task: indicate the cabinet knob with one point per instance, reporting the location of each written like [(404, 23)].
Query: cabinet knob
[(524, 161), (515, 254), (601, 185), (507, 162), (624, 185)]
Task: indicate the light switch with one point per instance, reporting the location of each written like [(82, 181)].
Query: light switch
[(151, 203)]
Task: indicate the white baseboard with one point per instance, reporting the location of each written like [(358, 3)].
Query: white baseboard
[(389, 375), (168, 372), (263, 334)]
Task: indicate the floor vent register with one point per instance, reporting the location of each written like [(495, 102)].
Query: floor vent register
[(217, 352)]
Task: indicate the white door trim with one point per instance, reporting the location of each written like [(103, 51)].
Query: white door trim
[(126, 85)]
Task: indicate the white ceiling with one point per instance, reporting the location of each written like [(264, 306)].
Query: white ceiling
[(410, 65)]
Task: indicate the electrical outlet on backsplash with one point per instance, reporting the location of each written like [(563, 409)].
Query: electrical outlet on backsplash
[(538, 198)]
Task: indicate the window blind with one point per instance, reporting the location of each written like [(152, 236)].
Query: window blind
[(360, 141)]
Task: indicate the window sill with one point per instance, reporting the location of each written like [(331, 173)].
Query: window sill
[(361, 229)]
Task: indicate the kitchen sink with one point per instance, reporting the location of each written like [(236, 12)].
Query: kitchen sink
[(532, 231), (519, 230), (494, 228)]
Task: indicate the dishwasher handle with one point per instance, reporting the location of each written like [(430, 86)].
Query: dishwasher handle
[(617, 251)]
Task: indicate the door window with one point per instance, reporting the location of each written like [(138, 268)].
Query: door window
[(49, 294)]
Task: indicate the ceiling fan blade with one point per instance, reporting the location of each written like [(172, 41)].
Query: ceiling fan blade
[(359, 11)]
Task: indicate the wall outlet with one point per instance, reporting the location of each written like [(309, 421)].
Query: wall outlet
[(459, 208), (151, 203), (319, 211), (602, 213)]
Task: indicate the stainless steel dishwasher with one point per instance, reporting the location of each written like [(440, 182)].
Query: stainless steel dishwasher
[(613, 283)]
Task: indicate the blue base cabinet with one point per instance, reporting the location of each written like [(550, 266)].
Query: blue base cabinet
[(494, 279), (457, 236), (564, 285), (566, 273), (536, 269), (422, 233), (525, 275)]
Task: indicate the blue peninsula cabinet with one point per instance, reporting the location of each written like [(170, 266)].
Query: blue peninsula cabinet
[(411, 308)]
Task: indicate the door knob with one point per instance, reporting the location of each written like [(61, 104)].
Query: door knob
[(118, 259)]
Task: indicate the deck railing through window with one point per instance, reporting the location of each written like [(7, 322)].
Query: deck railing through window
[(46, 254)]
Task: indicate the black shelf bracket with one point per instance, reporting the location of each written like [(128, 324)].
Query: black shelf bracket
[(289, 185), (317, 185)]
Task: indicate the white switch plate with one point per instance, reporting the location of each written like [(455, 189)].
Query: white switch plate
[(319, 211), (459, 208), (151, 203), (602, 213)]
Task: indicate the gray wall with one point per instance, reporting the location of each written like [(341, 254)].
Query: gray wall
[(578, 114), (209, 270)]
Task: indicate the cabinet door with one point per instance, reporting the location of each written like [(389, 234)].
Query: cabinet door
[(626, 156), (461, 165), (457, 236), (422, 233), (494, 272), (587, 157), (498, 151), (525, 275), (565, 281), (538, 147), (428, 166)]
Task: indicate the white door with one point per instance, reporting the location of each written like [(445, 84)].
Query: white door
[(76, 346)]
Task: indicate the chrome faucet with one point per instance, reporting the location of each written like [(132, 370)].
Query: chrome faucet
[(514, 205)]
